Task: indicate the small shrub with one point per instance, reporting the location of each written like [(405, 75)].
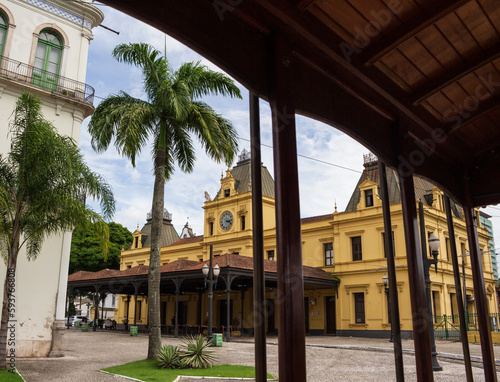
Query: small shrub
[(198, 354), (168, 357)]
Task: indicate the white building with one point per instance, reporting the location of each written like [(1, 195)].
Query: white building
[(85, 307), (43, 48)]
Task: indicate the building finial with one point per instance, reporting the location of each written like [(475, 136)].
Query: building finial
[(336, 212)]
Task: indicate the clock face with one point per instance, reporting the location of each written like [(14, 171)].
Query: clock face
[(226, 220)]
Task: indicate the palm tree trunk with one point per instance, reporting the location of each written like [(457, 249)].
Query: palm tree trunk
[(154, 259), (8, 287)]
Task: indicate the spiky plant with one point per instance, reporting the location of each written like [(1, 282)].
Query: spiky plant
[(168, 357), (198, 354)]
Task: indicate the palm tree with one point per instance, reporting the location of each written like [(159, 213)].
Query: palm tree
[(171, 115), (42, 182)]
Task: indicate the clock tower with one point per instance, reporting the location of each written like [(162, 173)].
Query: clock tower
[(228, 216)]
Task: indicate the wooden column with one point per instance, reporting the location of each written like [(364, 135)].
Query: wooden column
[(96, 307), (259, 287), (420, 315), (458, 291), (481, 299), (391, 270), (291, 320)]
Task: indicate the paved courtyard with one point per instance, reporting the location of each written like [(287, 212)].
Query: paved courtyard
[(328, 358)]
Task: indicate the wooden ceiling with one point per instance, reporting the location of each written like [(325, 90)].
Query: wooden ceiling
[(416, 81)]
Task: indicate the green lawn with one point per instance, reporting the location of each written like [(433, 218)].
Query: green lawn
[(6, 376), (146, 370)]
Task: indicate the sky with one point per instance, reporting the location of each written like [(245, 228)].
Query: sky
[(327, 179)]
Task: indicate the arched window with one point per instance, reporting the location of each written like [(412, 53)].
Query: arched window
[(47, 60), (3, 33)]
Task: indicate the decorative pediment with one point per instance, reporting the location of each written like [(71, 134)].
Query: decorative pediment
[(369, 196)]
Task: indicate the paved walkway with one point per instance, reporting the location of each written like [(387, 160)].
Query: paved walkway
[(328, 358)]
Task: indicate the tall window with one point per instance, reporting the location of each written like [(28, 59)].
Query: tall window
[(139, 310), (270, 255), (393, 246), (3, 33), (328, 248), (211, 228), (369, 198), (47, 60), (356, 248), (359, 307), (243, 222), (448, 249)]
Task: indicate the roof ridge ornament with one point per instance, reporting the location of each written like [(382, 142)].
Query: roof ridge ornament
[(245, 155), (166, 215)]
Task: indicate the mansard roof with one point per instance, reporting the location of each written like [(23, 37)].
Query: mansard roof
[(242, 175), (423, 188)]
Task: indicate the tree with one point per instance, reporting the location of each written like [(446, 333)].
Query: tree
[(42, 182), (171, 115), (86, 254)]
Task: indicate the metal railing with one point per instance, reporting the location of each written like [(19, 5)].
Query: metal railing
[(17, 71), (449, 326)]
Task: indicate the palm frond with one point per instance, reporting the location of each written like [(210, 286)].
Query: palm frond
[(127, 120), (202, 81)]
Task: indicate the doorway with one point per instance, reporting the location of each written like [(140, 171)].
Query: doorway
[(223, 313), (271, 315), (306, 311), (331, 326)]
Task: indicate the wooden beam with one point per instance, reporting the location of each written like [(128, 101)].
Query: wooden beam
[(420, 316), (460, 71), (303, 5), (259, 282), (480, 297), (466, 118), (291, 320), (391, 270), (458, 291), (380, 48)]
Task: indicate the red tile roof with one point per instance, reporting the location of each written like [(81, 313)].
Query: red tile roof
[(318, 218), (224, 261), (187, 240)]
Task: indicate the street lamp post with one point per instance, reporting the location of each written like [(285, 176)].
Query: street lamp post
[(210, 275), (385, 280), (434, 246)]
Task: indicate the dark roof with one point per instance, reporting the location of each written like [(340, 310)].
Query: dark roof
[(423, 188), (242, 174), (168, 234)]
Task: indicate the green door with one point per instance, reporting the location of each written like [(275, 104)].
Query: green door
[(47, 61)]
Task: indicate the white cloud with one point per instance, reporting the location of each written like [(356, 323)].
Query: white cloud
[(321, 184)]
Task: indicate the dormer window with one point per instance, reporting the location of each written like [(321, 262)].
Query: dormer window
[(137, 242), (227, 193), (369, 198)]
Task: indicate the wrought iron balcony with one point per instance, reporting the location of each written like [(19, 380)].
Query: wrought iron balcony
[(17, 71)]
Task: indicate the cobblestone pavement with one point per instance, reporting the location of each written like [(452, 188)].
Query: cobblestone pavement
[(328, 358)]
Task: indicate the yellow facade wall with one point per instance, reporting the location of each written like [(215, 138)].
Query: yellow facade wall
[(357, 277)]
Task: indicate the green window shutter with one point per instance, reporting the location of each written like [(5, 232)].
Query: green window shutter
[(3, 33), (47, 60)]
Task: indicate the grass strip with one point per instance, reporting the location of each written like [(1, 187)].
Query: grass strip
[(7, 376), (148, 371)]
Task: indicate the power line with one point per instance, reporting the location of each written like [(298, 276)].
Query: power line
[(313, 159)]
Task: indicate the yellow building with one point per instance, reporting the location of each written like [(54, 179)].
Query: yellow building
[(348, 245)]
